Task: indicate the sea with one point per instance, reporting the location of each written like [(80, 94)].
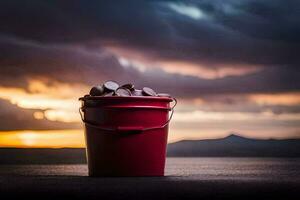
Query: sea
[(200, 168)]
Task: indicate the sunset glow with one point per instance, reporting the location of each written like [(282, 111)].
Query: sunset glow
[(62, 106), (75, 138), (288, 99), (42, 139), (231, 67), (201, 71)]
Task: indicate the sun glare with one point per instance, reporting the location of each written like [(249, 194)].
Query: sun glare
[(42, 139), (28, 138)]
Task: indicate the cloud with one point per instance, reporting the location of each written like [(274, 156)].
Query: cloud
[(218, 53), (16, 118), (288, 99), (265, 20), (202, 116), (197, 70), (236, 33), (25, 60), (187, 10)]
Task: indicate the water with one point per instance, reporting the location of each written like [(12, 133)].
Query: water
[(274, 169)]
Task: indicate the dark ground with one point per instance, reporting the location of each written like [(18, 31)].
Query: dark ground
[(186, 178), (71, 187)]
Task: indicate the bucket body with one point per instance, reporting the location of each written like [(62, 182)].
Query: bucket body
[(126, 136)]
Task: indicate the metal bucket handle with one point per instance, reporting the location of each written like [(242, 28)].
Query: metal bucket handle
[(127, 128)]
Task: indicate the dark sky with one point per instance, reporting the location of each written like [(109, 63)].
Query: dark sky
[(70, 37), (225, 53)]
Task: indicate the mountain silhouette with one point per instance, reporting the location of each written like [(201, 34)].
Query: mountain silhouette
[(230, 146), (235, 146)]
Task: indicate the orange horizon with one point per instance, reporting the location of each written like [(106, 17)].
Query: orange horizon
[(74, 138)]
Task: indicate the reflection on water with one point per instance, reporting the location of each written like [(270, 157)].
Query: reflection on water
[(284, 169)]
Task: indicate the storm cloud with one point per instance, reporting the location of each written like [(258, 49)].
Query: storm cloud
[(192, 49), (70, 38)]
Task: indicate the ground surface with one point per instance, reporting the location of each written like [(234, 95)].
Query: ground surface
[(186, 178)]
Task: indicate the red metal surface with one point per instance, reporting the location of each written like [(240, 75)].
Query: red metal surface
[(126, 148)]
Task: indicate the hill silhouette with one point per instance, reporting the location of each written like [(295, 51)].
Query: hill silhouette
[(236, 146)]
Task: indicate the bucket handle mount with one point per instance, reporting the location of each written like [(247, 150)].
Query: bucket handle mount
[(137, 129)]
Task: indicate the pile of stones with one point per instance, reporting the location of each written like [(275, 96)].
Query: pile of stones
[(112, 88)]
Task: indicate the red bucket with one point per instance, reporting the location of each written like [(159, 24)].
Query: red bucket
[(126, 136)]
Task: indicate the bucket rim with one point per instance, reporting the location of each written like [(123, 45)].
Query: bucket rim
[(169, 99)]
